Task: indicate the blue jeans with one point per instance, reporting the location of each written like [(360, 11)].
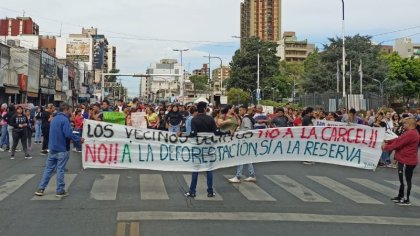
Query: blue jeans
[(78, 145), (38, 131), (250, 170), (194, 179), (174, 128), (385, 158), (4, 138), (55, 161)]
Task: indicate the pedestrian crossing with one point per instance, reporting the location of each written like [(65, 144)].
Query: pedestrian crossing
[(270, 188)]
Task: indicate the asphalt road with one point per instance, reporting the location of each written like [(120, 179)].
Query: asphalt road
[(288, 198)]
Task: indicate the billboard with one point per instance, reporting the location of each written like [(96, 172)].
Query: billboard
[(78, 49)]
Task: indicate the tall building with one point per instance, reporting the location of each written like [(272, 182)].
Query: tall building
[(112, 54), (261, 18), (18, 26), (203, 71), (217, 76), (293, 50), (406, 48)]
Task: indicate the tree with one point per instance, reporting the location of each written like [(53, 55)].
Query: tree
[(200, 83), (238, 96), (404, 75), (357, 48), (244, 65), (316, 77), (112, 78)]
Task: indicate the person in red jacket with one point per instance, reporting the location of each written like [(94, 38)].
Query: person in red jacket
[(406, 153)]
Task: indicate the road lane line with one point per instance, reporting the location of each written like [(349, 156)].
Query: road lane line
[(134, 229), (152, 187), (12, 184), (296, 189), (105, 187), (251, 191), (344, 191), (50, 191), (202, 188), (121, 229), (382, 189), (266, 216)]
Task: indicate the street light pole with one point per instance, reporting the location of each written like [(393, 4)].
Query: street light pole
[(181, 89), (344, 54), (221, 71), (381, 88)]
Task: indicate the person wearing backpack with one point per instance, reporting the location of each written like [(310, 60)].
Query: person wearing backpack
[(247, 123)]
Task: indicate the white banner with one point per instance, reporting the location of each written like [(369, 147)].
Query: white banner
[(138, 120), (388, 135), (115, 146)]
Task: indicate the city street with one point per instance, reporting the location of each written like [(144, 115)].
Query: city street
[(287, 199)]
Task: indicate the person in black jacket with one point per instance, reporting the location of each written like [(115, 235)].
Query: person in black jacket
[(174, 118), (19, 122), (46, 120), (202, 123)]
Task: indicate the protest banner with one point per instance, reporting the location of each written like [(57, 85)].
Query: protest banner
[(138, 120), (114, 117), (388, 135), (122, 147), (268, 109)]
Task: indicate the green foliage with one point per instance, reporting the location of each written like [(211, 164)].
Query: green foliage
[(200, 83), (112, 78), (316, 77), (404, 75), (238, 96), (244, 65), (269, 103)]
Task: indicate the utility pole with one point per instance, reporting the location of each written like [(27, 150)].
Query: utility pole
[(344, 54), (181, 89)]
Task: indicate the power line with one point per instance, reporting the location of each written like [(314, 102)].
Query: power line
[(396, 31)]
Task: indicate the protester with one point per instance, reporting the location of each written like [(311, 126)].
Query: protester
[(47, 116), (30, 128), (162, 120), (11, 112), (261, 119), (247, 123), (174, 119), (307, 121), (406, 153), (280, 119), (4, 135), (151, 118), (352, 118), (228, 121), (38, 125), (201, 123), (331, 116), (78, 128), (19, 122), (59, 144), (385, 160)]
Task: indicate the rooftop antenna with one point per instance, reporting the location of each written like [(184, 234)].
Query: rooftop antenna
[(23, 13), (61, 27)]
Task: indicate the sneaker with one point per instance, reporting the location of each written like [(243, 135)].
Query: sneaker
[(2, 150), (213, 194), (251, 179), (12, 157), (62, 194), (234, 180), (79, 151), (308, 162), (39, 192), (18, 150), (44, 152), (27, 156), (189, 194), (404, 203), (396, 199), (74, 150)]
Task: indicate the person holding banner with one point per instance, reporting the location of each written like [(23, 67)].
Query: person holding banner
[(406, 153), (247, 123), (174, 119), (59, 144), (201, 123)]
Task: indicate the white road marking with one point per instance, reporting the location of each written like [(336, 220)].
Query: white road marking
[(50, 191), (152, 187), (105, 187), (266, 216), (296, 189), (251, 191), (344, 191), (12, 184)]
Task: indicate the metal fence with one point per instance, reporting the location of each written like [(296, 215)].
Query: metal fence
[(334, 101)]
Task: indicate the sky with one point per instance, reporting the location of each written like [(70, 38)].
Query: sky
[(146, 31)]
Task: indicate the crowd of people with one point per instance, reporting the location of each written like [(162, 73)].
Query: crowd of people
[(19, 124)]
